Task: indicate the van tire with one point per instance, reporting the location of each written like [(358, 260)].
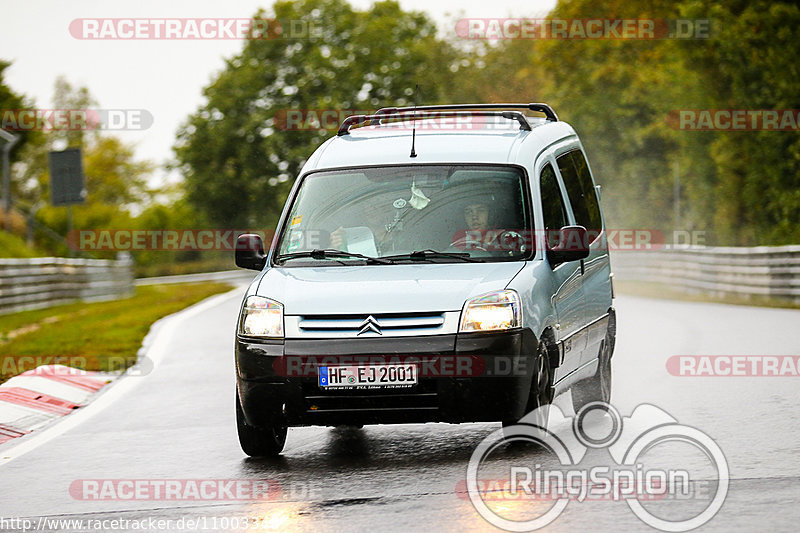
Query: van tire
[(541, 392), (260, 441)]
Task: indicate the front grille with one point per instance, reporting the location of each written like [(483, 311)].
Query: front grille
[(365, 326), (354, 323)]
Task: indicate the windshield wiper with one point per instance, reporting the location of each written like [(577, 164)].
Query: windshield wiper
[(424, 255), (330, 254)]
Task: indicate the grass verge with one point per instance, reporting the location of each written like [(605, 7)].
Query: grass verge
[(92, 336)]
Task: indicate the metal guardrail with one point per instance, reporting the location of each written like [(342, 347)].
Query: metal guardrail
[(37, 283), (763, 271), (235, 276)]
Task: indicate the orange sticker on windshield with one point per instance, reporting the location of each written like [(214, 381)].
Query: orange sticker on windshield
[(296, 221)]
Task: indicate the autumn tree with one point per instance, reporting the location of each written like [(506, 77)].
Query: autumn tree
[(237, 160)]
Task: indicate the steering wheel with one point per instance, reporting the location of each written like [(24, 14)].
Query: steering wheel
[(511, 240), (466, 243)]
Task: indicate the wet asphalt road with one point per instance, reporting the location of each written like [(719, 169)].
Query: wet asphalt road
[(177, 422)]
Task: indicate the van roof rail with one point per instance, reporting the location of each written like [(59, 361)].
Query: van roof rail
[(539, 107), (454, 110)]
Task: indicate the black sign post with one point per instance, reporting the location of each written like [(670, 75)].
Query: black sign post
[(67, 186), (66, 177)]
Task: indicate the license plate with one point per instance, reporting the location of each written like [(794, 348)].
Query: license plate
[(368, 376)]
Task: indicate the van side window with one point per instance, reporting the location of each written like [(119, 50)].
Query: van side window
[(580, 189), (555, 214)]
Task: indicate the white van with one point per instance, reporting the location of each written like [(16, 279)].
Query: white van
[(432, 264)]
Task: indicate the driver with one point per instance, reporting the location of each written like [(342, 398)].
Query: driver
[(478, 234), (482, 232), (476, 216)]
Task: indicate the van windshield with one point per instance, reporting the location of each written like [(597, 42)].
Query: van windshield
[(436, 213)]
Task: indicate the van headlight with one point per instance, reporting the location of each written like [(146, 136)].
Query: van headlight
[(492, 312), (261, 317)]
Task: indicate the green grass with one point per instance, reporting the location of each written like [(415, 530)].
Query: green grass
[(92, 336), (668, 292), (14, 246)]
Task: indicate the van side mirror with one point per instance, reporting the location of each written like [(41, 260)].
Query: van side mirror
[(250, 252), (572, 246)]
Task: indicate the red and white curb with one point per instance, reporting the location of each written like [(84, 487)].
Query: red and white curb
[(34, 398)]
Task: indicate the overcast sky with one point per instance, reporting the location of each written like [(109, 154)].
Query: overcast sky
[(163, 77)]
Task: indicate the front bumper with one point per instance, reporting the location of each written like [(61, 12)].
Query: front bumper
[(464, 378)]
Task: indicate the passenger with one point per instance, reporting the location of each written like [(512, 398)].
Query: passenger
[(351, 240)]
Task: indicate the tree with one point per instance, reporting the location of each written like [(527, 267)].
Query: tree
[(237, 163), (116, 182), (617, 94), (751, 63), (741, 187), (10, 103)]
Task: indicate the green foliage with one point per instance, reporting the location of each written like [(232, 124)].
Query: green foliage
[(14, 246), (237, 164), (177, 214), (116, 182), (10, 101), (743, 188), (751, 63)]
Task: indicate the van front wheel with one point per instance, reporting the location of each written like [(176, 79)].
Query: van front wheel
[(541, 393), (260, 441)]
